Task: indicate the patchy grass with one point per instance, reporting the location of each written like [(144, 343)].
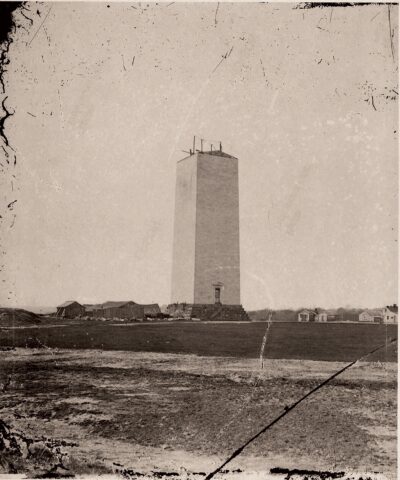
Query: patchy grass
[(147, 411), (330, 342)]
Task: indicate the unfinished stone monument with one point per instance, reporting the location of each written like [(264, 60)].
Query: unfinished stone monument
[(206, 257)]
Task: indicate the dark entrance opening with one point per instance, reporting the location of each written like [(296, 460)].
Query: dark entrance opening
[(217, 291)]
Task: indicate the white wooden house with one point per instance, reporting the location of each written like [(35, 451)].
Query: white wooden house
[(306, 316), (390, 314)]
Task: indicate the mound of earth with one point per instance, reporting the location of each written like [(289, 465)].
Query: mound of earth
[(13, 317)]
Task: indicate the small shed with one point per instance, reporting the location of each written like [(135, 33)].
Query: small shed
[(326, 316), (70, 309)]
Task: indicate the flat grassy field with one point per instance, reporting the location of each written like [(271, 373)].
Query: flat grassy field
[(306, 341), (148, 413)]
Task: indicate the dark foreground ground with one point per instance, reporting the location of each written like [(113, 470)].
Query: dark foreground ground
[(307, 341), (169, 416)]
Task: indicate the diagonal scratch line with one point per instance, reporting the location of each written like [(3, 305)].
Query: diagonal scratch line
[(288, 409), (390, 32), (40, 26), (194, 101), (265, 338), (224, 57), (256, 381), (372, 101), (373, 18), (216, 13)]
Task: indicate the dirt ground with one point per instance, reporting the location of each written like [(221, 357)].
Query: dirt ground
[(154, 413)]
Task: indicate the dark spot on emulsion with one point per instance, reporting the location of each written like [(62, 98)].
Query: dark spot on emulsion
[(7, 21)]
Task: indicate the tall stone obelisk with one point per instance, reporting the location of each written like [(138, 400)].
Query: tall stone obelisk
[(206, 256)]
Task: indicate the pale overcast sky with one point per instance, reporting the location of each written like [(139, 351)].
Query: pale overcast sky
[(105, 99)]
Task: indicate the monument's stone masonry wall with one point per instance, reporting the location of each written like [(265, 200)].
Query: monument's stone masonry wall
[(184, 231), (217, 230)]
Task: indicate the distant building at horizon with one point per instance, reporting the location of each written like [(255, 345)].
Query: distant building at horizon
[(112, 309), (372, 315), (306, 315), (329, 315), (390, 314), (387, 314), (123, 309), (70, 309)]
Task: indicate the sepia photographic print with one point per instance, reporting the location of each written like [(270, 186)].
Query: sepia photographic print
[(199, 240)]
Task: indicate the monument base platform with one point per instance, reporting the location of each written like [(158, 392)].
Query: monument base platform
[(212, 312)]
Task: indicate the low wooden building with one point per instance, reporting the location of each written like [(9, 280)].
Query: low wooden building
[(90, 309), (152, 309), (128, 309), (70, 309), (371, 316)]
